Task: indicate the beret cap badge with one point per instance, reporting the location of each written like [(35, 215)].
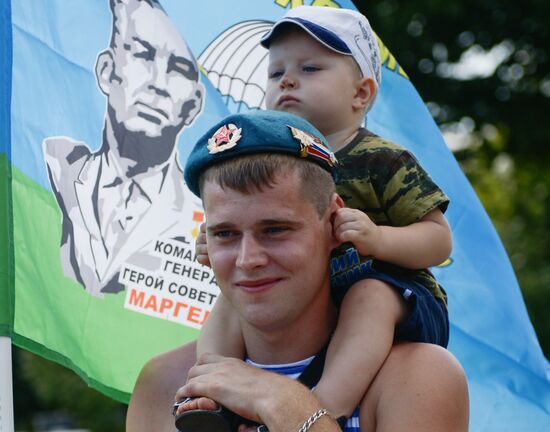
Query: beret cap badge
[(311, 145), (224, 138)]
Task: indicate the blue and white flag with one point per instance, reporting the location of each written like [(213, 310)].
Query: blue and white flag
[(97, 268)]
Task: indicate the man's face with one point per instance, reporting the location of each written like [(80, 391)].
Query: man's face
[(154, 73), (307, 79), (269, 250)]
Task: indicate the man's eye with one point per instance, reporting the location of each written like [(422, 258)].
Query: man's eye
[(145, 54), (224, 234), (277, 230), (181, 67)]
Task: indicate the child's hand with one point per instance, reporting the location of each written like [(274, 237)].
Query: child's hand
[(195, 403), (352, 225), (200, 247)]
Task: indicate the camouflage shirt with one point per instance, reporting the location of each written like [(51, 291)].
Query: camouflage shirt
[(385, 181)]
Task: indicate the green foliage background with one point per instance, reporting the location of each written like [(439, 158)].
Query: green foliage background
[(502, 119)]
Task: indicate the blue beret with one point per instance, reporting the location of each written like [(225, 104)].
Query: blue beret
[(255, 132)]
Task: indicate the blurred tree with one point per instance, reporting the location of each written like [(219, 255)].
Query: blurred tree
[(42, 386), (484, 70)]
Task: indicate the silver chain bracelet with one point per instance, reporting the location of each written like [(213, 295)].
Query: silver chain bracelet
[(312, 419)]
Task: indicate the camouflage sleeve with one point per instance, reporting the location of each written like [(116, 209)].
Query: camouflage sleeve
[(408, 192)]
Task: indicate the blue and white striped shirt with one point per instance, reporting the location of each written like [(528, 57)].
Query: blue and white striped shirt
[(293, 370)]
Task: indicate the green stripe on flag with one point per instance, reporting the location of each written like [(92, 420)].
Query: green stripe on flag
[(6, 249), (56, 318)]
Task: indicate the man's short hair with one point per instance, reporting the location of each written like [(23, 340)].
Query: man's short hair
[(254, 173), (114, 3)]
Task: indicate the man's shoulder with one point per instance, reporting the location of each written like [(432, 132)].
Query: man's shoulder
[(421, 381), (65, 157), (65, 149), (155, 388)]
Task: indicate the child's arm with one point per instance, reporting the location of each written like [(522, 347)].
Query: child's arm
[(221, 333), (419, 245)]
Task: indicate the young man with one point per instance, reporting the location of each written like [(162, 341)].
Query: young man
[(269, 200)]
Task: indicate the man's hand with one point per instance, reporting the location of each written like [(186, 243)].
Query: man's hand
[(200, 247), (352, 225), (231, 382), (281, 403)]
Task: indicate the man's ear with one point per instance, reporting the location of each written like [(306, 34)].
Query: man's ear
[(365, 93), (104, 68), (193, 106), (336, 202)]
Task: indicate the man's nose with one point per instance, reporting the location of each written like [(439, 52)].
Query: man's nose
[(251, 254), (159, 82), (288, 82)]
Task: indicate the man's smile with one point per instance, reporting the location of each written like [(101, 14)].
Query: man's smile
[(257, 285)]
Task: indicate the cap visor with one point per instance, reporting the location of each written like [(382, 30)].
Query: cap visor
[(328, 38)]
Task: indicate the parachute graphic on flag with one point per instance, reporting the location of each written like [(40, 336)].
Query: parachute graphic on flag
[(97, 265), (236, 64)]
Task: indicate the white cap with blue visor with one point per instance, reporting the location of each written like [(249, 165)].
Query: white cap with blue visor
[(344, 31)]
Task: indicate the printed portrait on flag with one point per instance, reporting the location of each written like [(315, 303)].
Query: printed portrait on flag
[(120, 198)]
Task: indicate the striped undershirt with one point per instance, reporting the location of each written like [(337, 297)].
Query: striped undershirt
[(293, 370)]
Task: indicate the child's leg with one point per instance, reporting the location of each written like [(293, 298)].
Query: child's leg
[(221, 333), (361, 342)]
